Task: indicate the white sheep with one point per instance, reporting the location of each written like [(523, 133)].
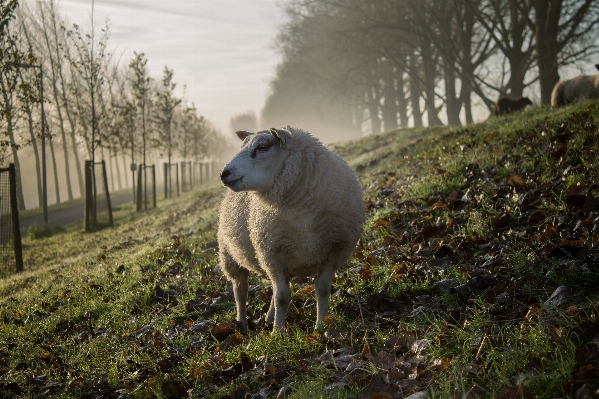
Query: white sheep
[(294, 208), (579, 88)]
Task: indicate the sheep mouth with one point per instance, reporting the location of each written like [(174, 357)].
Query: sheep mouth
[(233, 184)]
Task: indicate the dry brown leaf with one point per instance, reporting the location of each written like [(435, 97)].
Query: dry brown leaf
[(516, 181)]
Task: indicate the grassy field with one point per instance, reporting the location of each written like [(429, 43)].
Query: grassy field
[(476, 277)]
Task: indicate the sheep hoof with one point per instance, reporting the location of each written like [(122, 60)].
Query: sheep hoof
[(278, 330), (319, 328), (242, 327)]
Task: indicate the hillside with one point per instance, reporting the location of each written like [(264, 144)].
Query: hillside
[(476, 277)]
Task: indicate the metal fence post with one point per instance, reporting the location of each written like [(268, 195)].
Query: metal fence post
[(166, 179), (139, 188), (177, 172), (108, 204), (14, 210), (154, 186), (88, 196)]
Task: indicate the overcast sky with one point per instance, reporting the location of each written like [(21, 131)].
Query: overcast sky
[(220, 49)]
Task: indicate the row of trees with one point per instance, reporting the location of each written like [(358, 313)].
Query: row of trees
[(390, 62), (95, 104)]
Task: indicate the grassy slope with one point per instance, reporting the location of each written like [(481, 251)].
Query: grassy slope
[(470, 231)]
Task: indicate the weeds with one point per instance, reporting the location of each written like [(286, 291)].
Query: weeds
[(36, 231)]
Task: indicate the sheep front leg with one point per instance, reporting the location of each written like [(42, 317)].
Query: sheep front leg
[(323, 283), (240, 292), (281, 298)]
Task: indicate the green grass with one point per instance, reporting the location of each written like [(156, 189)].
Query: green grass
[(469, 232)]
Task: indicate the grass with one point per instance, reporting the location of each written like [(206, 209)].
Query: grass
[(470, 230)]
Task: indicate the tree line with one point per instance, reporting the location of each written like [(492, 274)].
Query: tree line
[(96, 104), (389, 63)]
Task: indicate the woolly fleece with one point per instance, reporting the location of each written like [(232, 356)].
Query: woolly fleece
[(307, 223), (579, 88), (506, 105)]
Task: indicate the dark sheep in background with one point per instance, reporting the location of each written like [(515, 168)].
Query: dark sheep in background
[(506, 105), (579, 88)]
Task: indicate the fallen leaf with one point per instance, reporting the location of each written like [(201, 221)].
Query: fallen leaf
[(223, 330)]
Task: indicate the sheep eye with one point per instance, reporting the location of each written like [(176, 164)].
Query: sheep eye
[(261, 148)]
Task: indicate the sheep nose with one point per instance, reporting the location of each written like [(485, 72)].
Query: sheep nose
[(224, 173)]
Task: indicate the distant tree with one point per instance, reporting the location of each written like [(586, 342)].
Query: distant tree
[(46, 26), (244, 121), (505, 21), (164, 111), (11, 55), (90, 63), (142, 91), (565, 33), (125, 124), (29, 96), (142, 94)]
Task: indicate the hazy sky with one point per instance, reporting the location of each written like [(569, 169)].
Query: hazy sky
[(220, 49)]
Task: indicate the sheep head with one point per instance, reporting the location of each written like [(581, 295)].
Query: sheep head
[(255, 166)]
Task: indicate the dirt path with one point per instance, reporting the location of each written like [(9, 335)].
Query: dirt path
[(64, 217)]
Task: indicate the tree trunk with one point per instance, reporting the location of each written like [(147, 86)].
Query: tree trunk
[(55, 169), (390, 101), (373, 110), (358, 120), (519, 60), (429, 63), (126, 169), (402, 102), (15, 155), (36, 155), (118, 170), (546, 31), (453, 103), (415, 91), (466, 98), (112, 186), (415, 101)]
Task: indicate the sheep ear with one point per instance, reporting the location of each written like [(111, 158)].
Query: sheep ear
[(282, 134), (242, 134)]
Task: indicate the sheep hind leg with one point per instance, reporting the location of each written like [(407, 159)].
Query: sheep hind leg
[(239, 278)]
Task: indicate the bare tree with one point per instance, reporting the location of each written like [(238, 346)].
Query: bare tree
[(11, 56), (90, 64), (565, 32), (164, 111), (141, 90), (47, 26)]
